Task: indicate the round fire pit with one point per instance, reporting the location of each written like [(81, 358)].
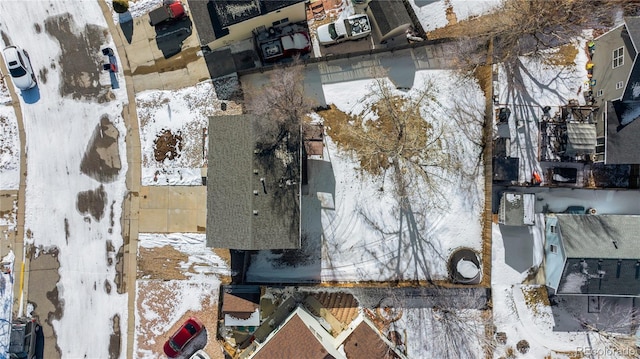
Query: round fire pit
[(464, 267)]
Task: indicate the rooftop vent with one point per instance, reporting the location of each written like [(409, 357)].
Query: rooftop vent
[(255, 212), (255, 191)]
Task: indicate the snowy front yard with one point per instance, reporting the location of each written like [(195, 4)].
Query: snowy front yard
[(173, 132), (178, 277)]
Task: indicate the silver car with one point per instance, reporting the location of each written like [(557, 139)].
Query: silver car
[(19, 65)]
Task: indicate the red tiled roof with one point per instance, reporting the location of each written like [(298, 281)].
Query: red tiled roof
[(365, 343), (234, 304), (293, 340)]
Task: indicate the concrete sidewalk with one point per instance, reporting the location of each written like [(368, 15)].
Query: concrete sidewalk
[(172, 209)]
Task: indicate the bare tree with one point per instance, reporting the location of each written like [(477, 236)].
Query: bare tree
[(614, 328), (280, 105), (396, 132), (451, 323)]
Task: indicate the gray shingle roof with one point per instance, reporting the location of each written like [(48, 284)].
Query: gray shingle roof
[(622, 141), (389, 14), (600, 236), (242, 213)]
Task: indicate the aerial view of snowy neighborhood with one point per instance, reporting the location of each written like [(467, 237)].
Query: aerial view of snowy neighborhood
[(320, 179)]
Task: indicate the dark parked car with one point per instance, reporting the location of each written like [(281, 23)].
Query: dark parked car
[(183, 336)]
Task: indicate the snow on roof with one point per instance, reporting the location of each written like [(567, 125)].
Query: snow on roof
[(433, 14), (600, 236), (517, 209), (231, 320)]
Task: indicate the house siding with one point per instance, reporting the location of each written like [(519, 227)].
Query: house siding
[(604, 75), (554, 262)]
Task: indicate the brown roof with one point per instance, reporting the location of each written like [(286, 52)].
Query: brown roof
[(365, 343), (234, 304), (293, 340), (343, 306)]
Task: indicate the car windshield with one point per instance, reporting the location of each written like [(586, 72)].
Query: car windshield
[(190, 328), (17, 71), (332, 31)]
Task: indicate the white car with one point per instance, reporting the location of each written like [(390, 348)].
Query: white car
[(19, 65), (352, 28), (200, 354)]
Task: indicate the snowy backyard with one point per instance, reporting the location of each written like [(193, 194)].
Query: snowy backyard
[(357, 227)]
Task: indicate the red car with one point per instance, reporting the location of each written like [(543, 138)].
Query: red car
[(189, 330)]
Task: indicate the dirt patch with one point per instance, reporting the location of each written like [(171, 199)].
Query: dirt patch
[(564, 55), (101, 160), (43, 295), (451, 16), (43, 75), (92, 202), (167, 145), (114, 338), (161, 263), (154, 295), (38, 28), (81, 58), (173, 63), (121, 284), (5, 38), (535, 296)]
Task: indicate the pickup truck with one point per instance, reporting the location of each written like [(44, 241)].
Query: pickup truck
[(167, 13), (22, 340), (351, 28), (286, 46)]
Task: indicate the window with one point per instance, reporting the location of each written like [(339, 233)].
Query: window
[(618, 57), (281, 21), (553, 248), (552, 229), (619, 85), (600, 93)]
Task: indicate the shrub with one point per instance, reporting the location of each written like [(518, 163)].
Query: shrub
[(121, 6)]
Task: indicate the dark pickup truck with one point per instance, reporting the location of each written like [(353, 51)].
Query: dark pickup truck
[(167, 13)]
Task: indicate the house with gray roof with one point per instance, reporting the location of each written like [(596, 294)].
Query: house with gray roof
[(616, 91), (253, 196), (593, 255)]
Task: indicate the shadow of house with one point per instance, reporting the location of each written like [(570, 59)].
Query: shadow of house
[(518, 247), (253, 198), (169, 38), (125, 21), (616, 77), (592, 255)]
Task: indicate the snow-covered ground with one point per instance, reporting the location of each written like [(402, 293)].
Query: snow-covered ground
[(363, 236), (9, 142), (6, 301), (58, 130), (528, 87), (163, 304), (184, 112), (432, 14)]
